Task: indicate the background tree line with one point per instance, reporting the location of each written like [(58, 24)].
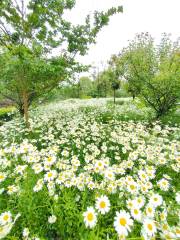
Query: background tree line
[(143, 69)]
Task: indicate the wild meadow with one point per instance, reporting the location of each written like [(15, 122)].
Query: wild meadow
[(88, 171), (89, 120)]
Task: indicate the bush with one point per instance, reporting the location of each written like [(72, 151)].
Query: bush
[(6, 114), (85, 97), (122, 93)]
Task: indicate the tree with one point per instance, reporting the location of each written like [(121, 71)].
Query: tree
[(27, 80), (105, 83), (113, 76), (86, 85), (152, 71), (29, 31)]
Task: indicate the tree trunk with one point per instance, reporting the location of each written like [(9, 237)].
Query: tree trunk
[(114, 96), (21, 110), (105, 90), (25, 108)]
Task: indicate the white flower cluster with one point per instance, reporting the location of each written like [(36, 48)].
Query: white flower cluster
[(78, 150)]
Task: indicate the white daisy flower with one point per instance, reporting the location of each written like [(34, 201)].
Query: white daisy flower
[(52, 219), (50, 160), (149, 227), (132, 187), (5, 218), (149, 210), (109, 174), (25, 232), (136, 214), (6, 229), (123, 222), (163, 215), (90, 217), (103, 204), (140, 201), (51, 175), (156, 200), (176, 230), (163, 184), (2, 176), (37, 167), (12, 189), (143, 176)]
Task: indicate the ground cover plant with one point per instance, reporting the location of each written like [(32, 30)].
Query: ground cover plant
[(83, 172)]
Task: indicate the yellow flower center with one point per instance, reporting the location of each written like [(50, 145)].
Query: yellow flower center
[(6, 217), (102, 204), (136, 211), (150, 227), (149, 210), (90, 217), (50, 174), (132, 187), (155, 199), (165, 227), (1, 176), (122, 221)]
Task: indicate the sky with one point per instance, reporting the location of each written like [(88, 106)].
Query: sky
[(153, 16)]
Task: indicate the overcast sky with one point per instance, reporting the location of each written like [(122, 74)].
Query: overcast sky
[(153, 16)]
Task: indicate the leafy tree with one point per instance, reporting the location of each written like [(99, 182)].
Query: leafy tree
[(115, 86), (29, 31), (113, 76), (24, 81), (85, 85), (152, 71), (105, 83)]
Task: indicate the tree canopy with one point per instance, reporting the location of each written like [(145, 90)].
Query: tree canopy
[(152, 71), (29, 32)]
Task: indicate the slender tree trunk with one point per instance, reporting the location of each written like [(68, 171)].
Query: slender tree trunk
[(21, 110), (114, 96), (105, 91), (25, 107)]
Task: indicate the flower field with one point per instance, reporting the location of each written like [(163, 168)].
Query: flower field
[(83, 173)]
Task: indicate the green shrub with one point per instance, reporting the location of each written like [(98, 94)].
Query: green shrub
[(85, 97), (122, 93), (6, 113)]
